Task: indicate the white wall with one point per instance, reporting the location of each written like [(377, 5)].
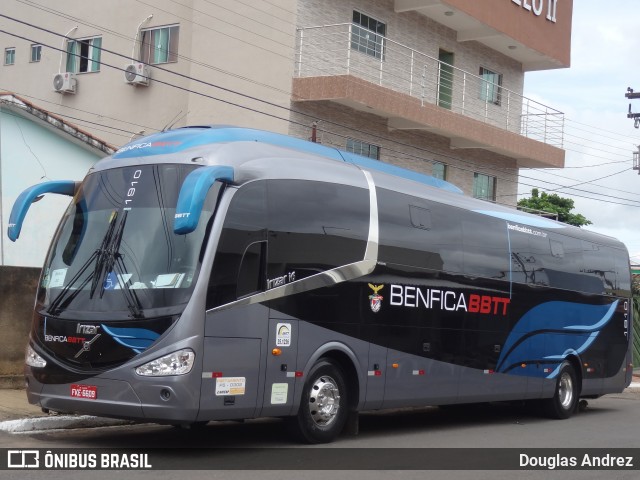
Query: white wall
[(31, 154)]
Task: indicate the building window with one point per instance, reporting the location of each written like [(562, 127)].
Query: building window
[(367, 35), (83, 56), (160, 45), (9, 56), (36, 53), (490, 86), (364, 149), (439, 170), (484, 187)]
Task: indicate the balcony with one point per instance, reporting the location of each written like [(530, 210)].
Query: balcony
[(351, 66)]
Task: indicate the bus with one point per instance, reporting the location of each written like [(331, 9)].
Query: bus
[(211, 273)]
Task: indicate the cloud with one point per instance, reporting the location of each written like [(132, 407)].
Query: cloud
[(597, 131)]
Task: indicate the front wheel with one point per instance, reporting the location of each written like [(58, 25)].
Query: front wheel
[(324, 404), (565, 398)]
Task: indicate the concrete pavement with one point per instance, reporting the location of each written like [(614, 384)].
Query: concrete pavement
[(14, 405)]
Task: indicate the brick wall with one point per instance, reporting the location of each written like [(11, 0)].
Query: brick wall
[(413, 150), (410, 149)]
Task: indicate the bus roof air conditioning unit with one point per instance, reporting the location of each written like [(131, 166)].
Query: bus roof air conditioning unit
[(64, 82), (137, 74)]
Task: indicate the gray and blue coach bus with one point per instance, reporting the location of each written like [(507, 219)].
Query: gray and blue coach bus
[(223, 273)]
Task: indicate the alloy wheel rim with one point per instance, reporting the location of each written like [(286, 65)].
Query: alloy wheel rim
[(324, 401)]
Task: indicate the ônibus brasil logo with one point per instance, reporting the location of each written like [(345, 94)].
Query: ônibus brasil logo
[(375, 299)]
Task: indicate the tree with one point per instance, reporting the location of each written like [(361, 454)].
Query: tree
[(554, 203)]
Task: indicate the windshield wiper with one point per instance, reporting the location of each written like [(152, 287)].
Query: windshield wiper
[(60, 302), (104, 254), (114, 259)]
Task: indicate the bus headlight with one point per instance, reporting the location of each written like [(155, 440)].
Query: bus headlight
[(176, 363), (32, 359)]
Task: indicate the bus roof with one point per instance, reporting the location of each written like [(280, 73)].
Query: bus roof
[(183, 139), (237, 147)]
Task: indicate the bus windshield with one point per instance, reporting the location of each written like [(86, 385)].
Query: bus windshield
[(115, 250)]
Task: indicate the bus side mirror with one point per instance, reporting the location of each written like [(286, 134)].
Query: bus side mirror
[(33, 194), (193, 193)]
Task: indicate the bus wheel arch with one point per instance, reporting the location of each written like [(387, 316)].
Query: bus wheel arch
[(331, 381), (351, 376), (566, 392)]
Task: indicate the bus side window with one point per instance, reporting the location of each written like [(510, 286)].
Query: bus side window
[(485, 255), (565, 265), (314, 227), (530, 257), (244, 226), (623, 272), (420, 233), (251, 278), (599, 265)]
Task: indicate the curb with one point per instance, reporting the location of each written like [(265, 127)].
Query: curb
[(56, 422)]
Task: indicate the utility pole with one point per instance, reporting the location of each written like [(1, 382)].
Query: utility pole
[(636, 123), (636, 116)]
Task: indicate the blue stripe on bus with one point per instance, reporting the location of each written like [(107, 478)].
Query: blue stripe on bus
[(28, 196), (530, 220), (550, 332), (193, 193), (137, 339)]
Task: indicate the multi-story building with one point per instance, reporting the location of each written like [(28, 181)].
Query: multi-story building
[(432, 85)]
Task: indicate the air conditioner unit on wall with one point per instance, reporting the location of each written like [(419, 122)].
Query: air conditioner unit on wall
[(137, 74), (64, 82)]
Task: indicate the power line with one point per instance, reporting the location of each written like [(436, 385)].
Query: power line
[(600, 130), (261, 23), (41, 7), (439, 154)]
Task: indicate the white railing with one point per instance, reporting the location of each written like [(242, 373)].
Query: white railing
[(347, 49)]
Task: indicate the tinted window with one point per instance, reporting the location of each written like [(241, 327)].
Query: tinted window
[(528, 257), (251, 277), (623, 272), (404, 239), (116, 251), (565, 266), (244, 226), (600, 266), (314, 226), (486, 246)]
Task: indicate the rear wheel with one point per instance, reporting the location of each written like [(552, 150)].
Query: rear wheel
[(565, 398), (324, 405)]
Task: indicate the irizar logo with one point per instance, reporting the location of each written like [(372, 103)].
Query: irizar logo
[(375, 300), (87, 329)]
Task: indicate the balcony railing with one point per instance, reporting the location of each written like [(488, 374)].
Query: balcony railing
[(347, 49)]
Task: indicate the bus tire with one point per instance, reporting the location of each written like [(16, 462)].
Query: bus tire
[(566, 395), (324, 405)]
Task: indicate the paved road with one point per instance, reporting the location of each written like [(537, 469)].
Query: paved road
[(610, 422)]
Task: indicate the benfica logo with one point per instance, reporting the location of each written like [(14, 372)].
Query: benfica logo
[(375, 299)]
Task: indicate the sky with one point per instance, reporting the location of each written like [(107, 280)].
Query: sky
[(605, 60)]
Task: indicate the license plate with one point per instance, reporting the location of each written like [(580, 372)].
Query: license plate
[(88, 392)]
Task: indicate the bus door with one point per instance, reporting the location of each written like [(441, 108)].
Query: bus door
[(232, 367), (236, 329)]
